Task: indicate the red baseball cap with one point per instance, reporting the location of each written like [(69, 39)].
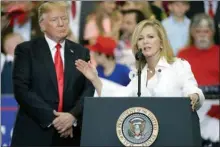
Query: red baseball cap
[(105, 45)]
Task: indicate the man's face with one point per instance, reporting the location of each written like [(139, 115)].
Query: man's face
[(202, 36), (178, 8), (55, 24), (100, 58), (128, 24), (11, 43)]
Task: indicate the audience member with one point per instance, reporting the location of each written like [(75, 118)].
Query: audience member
[(123, 53), (9, 44), (177, 24), (202, 53), (22, 16), (210, 7), (99, 22), (103, 53)]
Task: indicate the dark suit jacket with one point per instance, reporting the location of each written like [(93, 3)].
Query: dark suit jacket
[(35, 89), (198, 7)]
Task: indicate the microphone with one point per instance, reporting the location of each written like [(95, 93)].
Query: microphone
[(139, 55), (87, 58)]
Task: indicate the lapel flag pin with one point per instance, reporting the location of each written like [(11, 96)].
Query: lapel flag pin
[(71, 51)]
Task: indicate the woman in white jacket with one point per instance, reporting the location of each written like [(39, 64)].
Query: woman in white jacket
[(162, 75)]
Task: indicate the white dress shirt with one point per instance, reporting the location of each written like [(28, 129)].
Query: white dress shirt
[(214, 6), (9, 58), (74, 22), (24, 30), (6, 58), (52, 45), (2, 61), (169, 80)]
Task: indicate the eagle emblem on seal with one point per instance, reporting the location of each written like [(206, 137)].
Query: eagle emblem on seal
[(136, 129)]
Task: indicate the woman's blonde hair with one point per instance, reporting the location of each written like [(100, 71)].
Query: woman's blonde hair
[(47, 6), (166, 50)]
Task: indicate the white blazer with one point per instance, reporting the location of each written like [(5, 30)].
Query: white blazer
[(170, 80)]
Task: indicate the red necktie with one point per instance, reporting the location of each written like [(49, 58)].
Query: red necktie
[(73, 8), (211, 13), (59, 72)]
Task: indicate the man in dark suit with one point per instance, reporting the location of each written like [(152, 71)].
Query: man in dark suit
[(47, 86)]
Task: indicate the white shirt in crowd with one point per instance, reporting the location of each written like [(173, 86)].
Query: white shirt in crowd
[(74, 22), (177, 32), (24, 30), (214, 5)]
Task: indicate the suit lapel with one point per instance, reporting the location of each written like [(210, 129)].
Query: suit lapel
[(48, 61), (69, 56)]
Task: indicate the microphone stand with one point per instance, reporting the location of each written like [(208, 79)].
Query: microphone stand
[(138, 57), (139, 79)]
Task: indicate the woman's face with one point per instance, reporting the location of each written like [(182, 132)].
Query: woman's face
[(109, 6), (149, 41)]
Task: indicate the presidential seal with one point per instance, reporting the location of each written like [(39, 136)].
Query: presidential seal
[(137, 126)]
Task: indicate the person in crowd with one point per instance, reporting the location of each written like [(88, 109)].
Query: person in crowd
[(103, 53), (210, 7), (130, 19), (177, 24), (4, 21), (48, 89), (150, 9), (99, 22), (21, 18), (123, 52), (203, 53), (162, 74), (9, 44), (117, 18), (71, 36)]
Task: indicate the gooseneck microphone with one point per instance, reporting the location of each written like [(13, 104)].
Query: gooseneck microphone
[(139, 56)]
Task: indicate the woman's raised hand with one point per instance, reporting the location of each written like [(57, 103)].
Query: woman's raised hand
[(87, 69)]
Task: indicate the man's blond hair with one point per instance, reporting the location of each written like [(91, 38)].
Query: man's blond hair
[(48, 6)]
